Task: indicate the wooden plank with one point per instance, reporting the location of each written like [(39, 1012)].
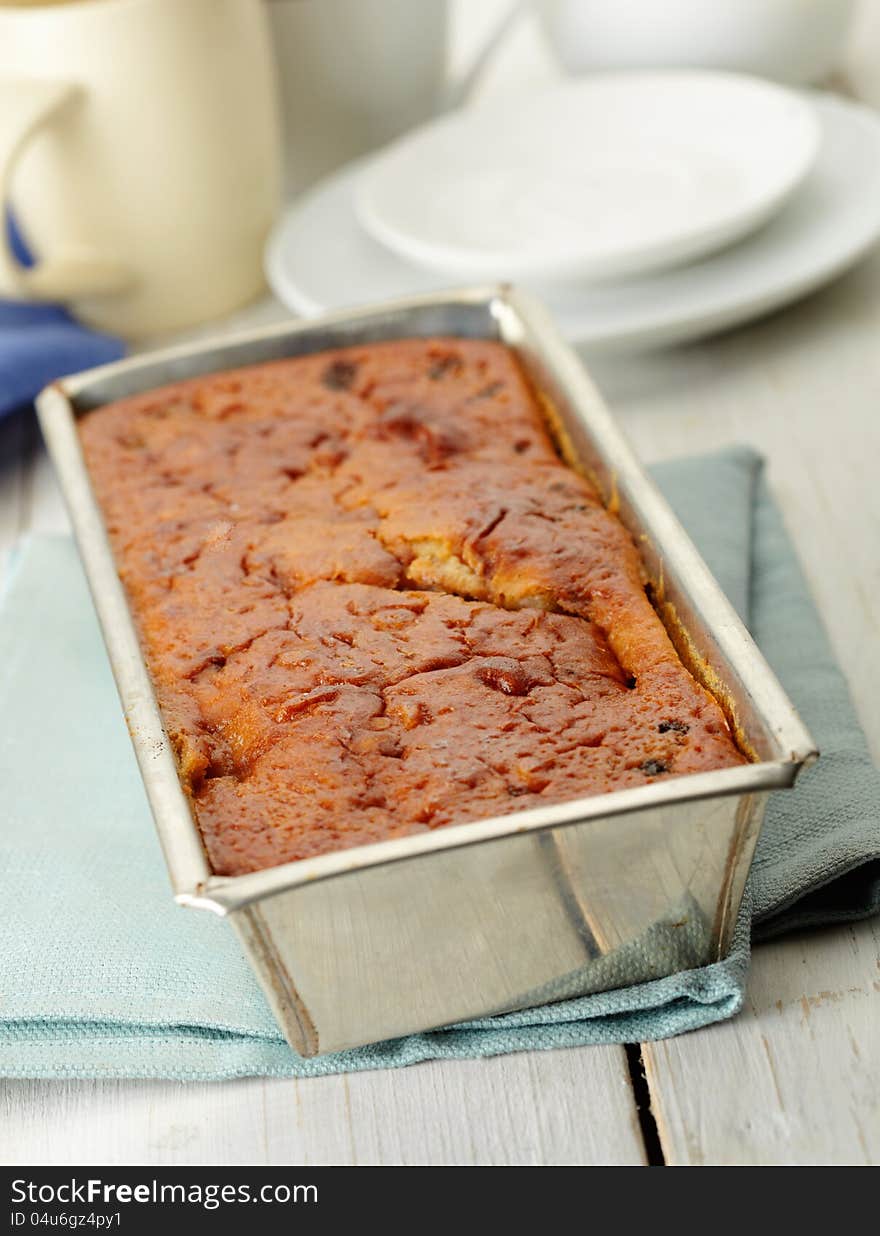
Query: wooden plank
[(563, 1107), (127, 1123), (795, 1079)]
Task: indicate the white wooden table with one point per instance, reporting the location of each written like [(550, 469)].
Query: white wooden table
[(796, 1077)]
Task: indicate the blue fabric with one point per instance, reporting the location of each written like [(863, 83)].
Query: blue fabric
[(101, 975), (39, 343)]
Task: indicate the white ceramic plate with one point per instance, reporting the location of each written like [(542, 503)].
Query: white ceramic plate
[(318, 258), (594, 178)]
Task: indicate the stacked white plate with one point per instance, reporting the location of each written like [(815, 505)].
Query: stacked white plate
[(644, 208)]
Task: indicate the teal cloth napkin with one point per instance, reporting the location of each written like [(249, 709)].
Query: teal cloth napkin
[(101, 975)]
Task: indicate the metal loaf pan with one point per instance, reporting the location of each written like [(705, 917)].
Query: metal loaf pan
[(502, 913)]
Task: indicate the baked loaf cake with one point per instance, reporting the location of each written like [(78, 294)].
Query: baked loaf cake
[(374, 600)]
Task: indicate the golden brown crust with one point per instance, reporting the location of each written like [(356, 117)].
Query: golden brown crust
[(375, 601)]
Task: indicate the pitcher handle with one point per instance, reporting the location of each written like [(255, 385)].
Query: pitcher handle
[(457, 92), (26, 106)]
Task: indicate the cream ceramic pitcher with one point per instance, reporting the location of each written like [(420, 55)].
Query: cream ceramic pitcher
[(140, 151)]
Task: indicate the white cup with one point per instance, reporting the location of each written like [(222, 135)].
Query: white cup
[(140, 150), (354, 74), (792, 41)]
